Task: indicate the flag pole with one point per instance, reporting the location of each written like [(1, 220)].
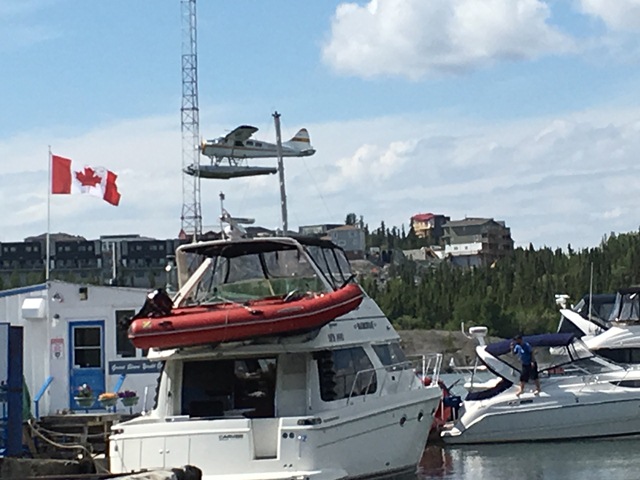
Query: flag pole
[(48, 236)]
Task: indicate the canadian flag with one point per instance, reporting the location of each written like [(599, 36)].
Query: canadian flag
[(97, 181)]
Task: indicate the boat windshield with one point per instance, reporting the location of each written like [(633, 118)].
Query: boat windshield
[(252, 276), (572, 358), (627, 306), (332, 262)]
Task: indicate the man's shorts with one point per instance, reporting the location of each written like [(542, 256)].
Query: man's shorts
[(529, 372)]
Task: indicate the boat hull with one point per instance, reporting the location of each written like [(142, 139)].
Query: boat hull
[(232, 322), (368, 439)]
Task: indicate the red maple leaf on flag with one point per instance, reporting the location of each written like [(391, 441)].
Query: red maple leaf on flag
[(88, 177)]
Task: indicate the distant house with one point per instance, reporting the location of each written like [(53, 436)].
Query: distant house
[(424, 254), (476, 241), (428, 225), (319, 230), (351, 239)]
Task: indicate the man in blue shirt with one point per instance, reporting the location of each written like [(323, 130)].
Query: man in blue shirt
[(529, 366)]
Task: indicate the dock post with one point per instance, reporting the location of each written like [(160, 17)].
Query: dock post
[(14, 392)]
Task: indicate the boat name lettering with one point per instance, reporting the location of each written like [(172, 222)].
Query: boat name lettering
[(230, 436), (336, 337), (134, 366), (370, 325)]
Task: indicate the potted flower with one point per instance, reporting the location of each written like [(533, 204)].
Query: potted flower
[(85, 397), (129, 398), (108, 399)]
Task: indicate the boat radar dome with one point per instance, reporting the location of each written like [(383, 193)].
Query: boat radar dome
[(479, 333)]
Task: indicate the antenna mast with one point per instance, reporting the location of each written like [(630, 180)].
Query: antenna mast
[(191, 210), (283, 191)]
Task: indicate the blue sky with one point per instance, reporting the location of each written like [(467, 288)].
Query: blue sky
[(521, 110)]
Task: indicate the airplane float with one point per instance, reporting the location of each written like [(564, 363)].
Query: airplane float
[(237, 146)]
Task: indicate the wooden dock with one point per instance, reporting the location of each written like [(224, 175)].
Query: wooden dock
[(55, 436)]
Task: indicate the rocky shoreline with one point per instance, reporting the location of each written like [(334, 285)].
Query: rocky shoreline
[(452, 344)]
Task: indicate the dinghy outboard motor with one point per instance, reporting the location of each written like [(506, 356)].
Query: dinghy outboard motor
[(157, 304)]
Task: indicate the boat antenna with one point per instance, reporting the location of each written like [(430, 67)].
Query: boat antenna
[(222, 210), (234, 229), (591, 292)]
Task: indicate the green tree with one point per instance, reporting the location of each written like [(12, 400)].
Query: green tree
[(351, 219)]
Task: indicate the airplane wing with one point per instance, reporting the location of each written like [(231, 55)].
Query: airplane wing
[(240, 134)]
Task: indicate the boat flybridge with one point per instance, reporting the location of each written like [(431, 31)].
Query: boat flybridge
[(583, 395), (334, 401), (617, 337)]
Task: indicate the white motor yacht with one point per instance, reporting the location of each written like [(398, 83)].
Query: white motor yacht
[(583, 395), (341, 401)]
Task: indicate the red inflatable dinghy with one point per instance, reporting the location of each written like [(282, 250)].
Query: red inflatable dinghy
[(224, 322)]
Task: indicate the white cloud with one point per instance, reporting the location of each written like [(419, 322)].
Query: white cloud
[(555, 180), (570, 173), (412, 38), (616, 14)]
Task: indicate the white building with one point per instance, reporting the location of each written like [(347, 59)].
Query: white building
[(72, 337), (465, 254)]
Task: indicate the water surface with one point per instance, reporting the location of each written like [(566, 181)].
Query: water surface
[(606, 459)]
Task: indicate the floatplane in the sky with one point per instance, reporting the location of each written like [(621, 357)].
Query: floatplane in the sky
[(237, 146)]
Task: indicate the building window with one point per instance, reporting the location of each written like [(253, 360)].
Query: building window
[(124, 347), (87, 347), (345, 373)]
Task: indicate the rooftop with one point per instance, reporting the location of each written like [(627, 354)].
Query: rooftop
[(422, 217)]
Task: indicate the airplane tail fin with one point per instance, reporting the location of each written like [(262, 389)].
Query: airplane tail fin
[(300, 140)]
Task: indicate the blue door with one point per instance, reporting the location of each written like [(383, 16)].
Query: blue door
[(86, 355)]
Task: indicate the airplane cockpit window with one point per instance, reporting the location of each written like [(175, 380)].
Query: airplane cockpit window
[(249, 142), (238, 143), (258, 144)]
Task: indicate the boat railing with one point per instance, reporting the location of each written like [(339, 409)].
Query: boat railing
[(428, 365), (415, 368)]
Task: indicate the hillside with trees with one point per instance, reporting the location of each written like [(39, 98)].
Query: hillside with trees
[(514, 295)]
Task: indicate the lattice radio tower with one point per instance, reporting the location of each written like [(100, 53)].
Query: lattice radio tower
[(191, 210)]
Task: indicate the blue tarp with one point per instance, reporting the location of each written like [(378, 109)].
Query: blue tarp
[(543, 340)]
